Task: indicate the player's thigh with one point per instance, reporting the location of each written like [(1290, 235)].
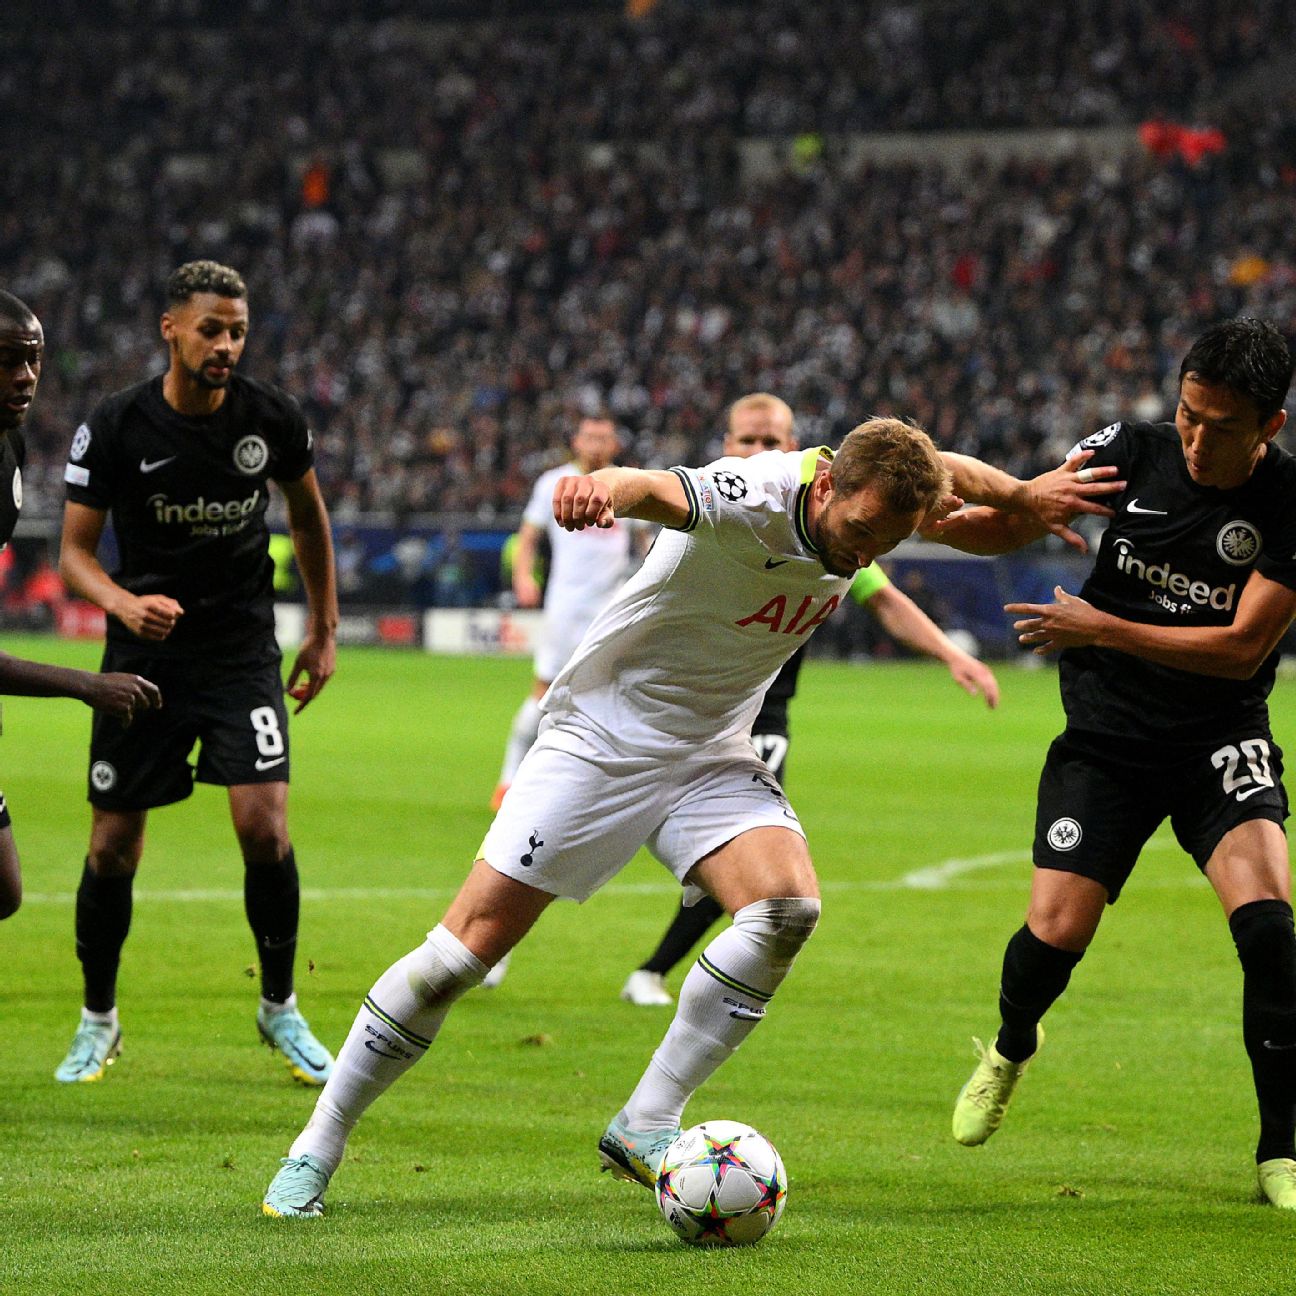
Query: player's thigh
[(1094, 815), (575, 814), (732, 831), (146, 763), (243, 725), (1229, 810), (758, 864)]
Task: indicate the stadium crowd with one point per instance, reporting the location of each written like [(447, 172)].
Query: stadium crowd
[(458, 235)]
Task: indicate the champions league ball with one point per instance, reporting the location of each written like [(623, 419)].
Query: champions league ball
[(721, 1184)]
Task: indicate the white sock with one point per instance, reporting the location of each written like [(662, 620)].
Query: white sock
[(721, 1000), (269, 1007), (394, 1028), (526, 728), (109, 1018)]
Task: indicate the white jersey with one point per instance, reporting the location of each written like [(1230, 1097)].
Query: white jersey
[(584, 566), (686, 649)]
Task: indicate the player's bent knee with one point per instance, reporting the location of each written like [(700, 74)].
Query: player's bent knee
[(784, 922), (10, 903)]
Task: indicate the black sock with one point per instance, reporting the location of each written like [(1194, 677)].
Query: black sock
[(1266, 946), (103, 918), (1034, 974), (685, 931), (272, 898)]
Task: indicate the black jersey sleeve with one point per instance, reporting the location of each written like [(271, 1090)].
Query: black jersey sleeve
[(296, 455), (1112, 446), (90, 476), (1277, 559)]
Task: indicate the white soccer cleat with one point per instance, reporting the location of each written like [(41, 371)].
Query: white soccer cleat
[(647, 989), (497, 973)]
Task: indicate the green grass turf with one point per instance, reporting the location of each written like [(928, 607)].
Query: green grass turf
[(1125, 1166)]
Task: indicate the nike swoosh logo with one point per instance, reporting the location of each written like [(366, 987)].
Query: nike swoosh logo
[(1250, 792), (1133, 507), (146, 467), (270, 764), (771, 563), (369, 1044)]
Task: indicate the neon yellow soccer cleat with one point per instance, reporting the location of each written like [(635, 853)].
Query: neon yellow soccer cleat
[(983, 1101)]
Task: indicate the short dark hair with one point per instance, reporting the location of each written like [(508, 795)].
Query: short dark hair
[(204, 277), (1248, 356), (15, 312)]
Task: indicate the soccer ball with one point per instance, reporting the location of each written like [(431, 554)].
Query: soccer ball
[(721, 1184)]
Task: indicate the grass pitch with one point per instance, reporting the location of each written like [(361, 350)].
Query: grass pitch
[(1124, 1167)]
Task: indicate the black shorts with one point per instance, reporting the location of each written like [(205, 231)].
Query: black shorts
[(1101, 799), (235, 710)]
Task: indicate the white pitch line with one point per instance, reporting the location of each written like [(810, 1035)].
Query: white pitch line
[(931, 877)]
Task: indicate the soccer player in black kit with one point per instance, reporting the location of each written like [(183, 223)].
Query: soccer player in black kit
[(183, 461), (1167, 658), (22, 351)]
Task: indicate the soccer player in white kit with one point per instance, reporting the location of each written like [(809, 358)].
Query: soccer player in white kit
[(646, 740), (584, 568)]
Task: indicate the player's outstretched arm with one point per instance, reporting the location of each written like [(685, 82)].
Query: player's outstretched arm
[(1046, 503), (1265, 611), (117, 693), (599, 498), (151, 617), (308, 527), (904, 620)]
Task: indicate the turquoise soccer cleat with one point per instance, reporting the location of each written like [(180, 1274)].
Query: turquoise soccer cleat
[(297, 1191), (634, 1155), (95, 1047), (308, 1060)]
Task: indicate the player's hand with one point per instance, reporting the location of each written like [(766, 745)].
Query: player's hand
[(150, 616), (975, 677), (1071, 622), (934, 522), (317, 660), (582, 501), (1057, 496), (121, 696)]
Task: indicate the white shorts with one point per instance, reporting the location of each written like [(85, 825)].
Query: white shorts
[(579, 808)]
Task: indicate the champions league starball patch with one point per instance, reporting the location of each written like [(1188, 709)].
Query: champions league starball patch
[(80, 442), (731, 486), (1096, 440)]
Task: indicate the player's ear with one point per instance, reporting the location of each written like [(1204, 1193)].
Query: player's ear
[(167, 327), (1275, 425)]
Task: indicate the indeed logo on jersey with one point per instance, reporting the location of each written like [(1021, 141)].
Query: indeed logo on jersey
[(1163, 576), (201, 510)]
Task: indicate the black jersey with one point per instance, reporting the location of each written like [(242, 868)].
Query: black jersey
[(13, 454), (1177, 554), (188, 497)]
